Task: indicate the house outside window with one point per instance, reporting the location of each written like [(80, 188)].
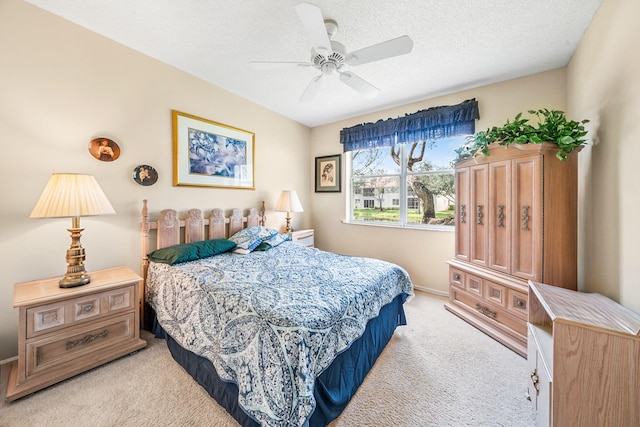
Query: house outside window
[(404, 185)]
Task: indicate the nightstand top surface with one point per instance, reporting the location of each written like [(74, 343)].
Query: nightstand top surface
[(48, 290), (303, 232)]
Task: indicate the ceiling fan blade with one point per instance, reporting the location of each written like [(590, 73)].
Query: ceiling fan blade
[(358, 84), (311, 90), (313, 22), (376, 52), (274, 65)]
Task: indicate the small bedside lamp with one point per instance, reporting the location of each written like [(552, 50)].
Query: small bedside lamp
[(72, 196), (288, 202)]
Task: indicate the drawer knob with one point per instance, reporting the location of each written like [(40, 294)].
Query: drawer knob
[(520, 303), (87, 339), (456, 277), (87, 308)]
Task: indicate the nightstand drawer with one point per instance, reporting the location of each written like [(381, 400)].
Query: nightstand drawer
[(303, 237), (78, 346), (46, 318)]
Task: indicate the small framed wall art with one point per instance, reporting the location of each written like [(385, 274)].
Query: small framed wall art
[(328, 174), (104, 149), (210, 154)]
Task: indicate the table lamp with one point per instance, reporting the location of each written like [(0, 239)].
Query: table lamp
[(288, 202), (69, 195)]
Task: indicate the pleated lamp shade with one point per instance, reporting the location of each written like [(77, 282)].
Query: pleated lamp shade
[(71, 195), (289, 202)]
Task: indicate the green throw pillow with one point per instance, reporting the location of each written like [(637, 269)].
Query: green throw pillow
[(191, 251)]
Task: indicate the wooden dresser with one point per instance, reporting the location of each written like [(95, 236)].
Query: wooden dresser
[(583, 359), (63, 332), (516, 220)]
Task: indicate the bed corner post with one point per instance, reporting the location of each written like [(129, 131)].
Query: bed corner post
[(263, 217), (145, 239), (145, 260)]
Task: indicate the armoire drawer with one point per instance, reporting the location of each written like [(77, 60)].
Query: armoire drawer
[(489, 312), (518, 304), (457, 277)]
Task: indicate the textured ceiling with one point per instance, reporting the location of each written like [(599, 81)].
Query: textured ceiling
[(458, 44)]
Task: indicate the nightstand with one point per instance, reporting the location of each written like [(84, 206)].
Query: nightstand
[(303, 237), (63, 332)]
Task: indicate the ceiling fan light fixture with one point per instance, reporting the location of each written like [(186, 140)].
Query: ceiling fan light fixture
[(329, 68)]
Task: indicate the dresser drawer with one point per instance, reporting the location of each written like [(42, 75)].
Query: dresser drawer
[(78, 346), (47, 318)]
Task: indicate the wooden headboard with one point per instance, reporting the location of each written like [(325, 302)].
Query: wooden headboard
[(171, 230)]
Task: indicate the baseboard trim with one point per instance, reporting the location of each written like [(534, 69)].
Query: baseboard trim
[(431, 291)]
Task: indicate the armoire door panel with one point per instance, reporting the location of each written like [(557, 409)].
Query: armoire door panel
[(462, 214), (499, 219), (527, 217), (479, 199)]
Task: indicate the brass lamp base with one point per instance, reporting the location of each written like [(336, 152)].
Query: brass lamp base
[(76, 274), (71, 280), (288, 228)]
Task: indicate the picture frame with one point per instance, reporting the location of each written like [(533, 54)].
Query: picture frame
[(328, 171), (211, 154)]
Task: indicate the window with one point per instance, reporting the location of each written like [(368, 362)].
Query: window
[(405, 185)]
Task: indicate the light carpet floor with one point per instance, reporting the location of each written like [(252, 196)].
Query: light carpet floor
[(436, 371)]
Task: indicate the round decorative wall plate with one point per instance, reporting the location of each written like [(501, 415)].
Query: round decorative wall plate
[(104, 149), (145, 175)]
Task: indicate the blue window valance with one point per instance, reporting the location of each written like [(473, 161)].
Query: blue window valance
[(424, 125)]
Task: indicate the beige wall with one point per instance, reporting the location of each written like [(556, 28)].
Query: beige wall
[(604, 85), (61, 86), (423, 253)]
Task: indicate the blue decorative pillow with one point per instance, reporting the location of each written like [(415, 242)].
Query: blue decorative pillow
[(248, 239), (191, 251), (272, 242)]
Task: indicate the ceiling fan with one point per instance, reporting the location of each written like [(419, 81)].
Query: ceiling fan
[(330, 56)]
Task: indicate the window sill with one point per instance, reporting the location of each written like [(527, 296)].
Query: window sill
[(444, 228)]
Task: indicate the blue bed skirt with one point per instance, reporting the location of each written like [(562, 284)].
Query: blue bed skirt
[(334, 387)]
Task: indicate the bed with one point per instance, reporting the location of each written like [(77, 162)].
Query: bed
[(278, 334)]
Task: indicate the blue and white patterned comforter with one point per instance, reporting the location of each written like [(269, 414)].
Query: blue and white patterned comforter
[(272, 321)]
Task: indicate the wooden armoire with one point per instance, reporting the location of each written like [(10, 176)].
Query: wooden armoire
[(516, 220)]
